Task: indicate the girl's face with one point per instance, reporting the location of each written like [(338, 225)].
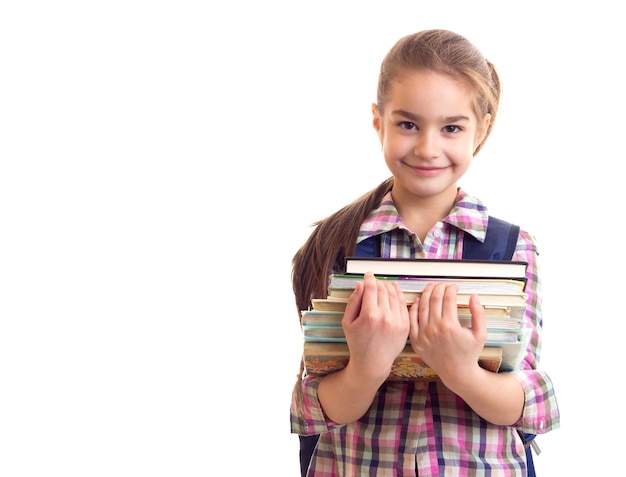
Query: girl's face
[(429, 133)]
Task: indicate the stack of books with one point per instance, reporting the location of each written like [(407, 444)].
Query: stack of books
[(499, 284)]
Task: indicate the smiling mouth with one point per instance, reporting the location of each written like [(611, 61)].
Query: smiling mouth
[(428, 171)]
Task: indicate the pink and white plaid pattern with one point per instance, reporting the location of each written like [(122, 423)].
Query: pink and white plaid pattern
[(423, 428)]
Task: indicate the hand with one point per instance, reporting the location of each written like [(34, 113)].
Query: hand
[(376, 325), (437, 336)]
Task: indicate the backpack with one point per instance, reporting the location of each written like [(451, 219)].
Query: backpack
[(499, 244)]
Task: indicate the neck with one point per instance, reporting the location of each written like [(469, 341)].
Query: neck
[(420, 214)]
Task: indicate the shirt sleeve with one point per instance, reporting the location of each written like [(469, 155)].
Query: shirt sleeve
[(307, 416), (541, 412)]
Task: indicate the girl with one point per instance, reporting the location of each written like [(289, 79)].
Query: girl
[(437, 101)]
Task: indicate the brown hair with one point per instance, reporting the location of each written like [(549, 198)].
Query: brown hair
[(335, 236), (332, 239)]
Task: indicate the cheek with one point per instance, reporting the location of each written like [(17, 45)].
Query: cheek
[(396, 145), (393, 153), (466, 147), (461, 154), (391, 156)]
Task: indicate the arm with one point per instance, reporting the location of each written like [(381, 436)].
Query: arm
[(453, 350), (496, 397), (376, 325), (541, 411), (537, 410)]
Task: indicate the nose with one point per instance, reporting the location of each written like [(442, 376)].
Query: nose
[(427, 145)]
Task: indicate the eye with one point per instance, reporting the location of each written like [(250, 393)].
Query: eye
[(407, 125), (451, 129)]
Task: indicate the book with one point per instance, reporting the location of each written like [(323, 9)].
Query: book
[(339, 306), (496, 317), (320, 318), (342, 285), (323, 358), (426, 267), (465, 285), (329, 304), (326, 326), (335, 334), (513, 353), (495, 323), (340, 298), (499, 285), (494, 311)]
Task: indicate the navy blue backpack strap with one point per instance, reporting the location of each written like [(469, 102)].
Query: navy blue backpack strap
[(499, 244), (370, 247), (307, 446)]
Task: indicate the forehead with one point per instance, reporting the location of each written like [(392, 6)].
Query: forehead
[(430, 90)]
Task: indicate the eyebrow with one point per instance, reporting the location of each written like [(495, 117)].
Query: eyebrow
[(415, 117)]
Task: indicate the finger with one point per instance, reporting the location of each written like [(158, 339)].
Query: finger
[(370, 291), (449, 306), (424, 305), (437, 296), (353, 307), (399, 301), (414, 322), (393, 296), (399, 309), (384, 291), (479, 327)]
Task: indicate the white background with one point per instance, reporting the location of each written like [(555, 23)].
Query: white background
[(160, 164)]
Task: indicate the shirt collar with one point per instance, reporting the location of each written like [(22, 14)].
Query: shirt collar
[(468, 214)]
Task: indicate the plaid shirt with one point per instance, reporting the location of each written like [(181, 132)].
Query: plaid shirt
[(422, 428)]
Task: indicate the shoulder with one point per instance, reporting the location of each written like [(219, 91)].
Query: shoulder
[(526, 241)]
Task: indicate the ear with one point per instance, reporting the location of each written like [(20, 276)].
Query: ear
[(376, 121), (481, 130)]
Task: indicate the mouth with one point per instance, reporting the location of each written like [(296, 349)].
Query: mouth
[(428, 171)]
